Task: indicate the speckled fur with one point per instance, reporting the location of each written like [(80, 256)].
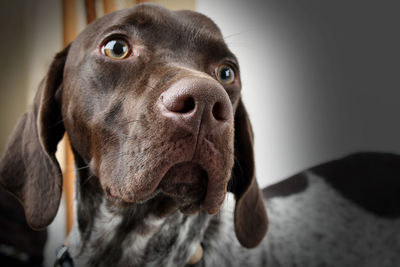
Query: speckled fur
[(319, 227), (169, 241), (314, 227)]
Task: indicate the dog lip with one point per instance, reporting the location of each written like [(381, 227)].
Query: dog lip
[(203, 189), (115, 198), (186, 182), (216, 192)]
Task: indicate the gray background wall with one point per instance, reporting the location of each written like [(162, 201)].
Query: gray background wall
[(30, 33), (321, 79)]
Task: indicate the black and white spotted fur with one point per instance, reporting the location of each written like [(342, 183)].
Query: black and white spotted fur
[(312, 223)]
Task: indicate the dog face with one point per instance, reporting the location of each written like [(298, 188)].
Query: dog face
[(156, 117), (150, 100)]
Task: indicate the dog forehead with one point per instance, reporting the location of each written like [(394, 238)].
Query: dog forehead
[(159, 18), (155, 26)]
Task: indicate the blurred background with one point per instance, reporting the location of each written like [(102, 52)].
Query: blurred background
[(321, 79)]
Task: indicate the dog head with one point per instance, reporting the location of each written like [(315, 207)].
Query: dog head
[(150, 100)]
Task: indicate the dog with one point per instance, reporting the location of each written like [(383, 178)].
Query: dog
[(151, 102)]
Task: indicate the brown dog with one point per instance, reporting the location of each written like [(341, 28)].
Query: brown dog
[(150, 100)]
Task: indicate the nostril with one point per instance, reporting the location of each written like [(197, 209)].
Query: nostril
[(179, 104), (218, 112), (188, 105)]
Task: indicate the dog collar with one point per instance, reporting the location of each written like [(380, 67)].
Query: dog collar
[(63, 259), (197, 255)]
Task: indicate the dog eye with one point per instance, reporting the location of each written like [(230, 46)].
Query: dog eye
[(225, 74), (116, 49)]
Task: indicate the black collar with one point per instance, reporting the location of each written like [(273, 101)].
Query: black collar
[(63, 259)]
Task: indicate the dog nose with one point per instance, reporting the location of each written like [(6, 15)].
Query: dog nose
[(192, 102)]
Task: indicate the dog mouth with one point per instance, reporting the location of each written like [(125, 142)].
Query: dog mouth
[(194, 179), (186, 183)]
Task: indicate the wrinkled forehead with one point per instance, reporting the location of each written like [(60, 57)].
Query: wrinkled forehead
[(157, 27)]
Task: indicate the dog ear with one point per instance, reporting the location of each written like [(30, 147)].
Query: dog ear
[(251, 221), (29, 168)]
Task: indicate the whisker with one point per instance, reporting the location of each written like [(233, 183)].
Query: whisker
[(234, 34), (234, 182), (237, 44), (58, 122), (82, 168), (117, 157), (151, 87), (109, 139), (87, 179)]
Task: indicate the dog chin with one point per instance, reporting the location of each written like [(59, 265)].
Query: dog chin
[(186, 183)]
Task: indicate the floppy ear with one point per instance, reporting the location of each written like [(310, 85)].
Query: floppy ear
[(251, 221), (28, 168)]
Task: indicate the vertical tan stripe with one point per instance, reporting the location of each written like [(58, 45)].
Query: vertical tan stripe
[(69, 21), (70, 30), (109, 6), (90, 11), (69, 184)]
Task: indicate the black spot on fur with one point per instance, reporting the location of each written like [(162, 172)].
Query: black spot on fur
[(371, 180), (290, 186)]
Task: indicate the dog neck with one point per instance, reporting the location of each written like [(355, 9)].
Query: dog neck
[(152, 232)]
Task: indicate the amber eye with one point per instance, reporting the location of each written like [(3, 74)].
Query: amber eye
[(225, 74), (116, 49)]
